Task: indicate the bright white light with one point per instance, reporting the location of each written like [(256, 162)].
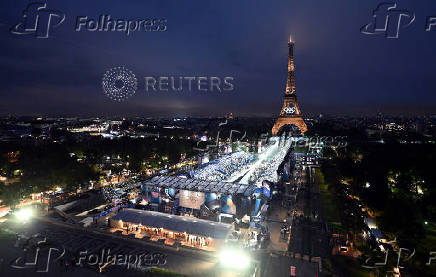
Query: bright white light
[(24, 214), (234, 258)]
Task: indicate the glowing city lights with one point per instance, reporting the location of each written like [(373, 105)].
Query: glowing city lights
[(24, 214), (234, 258)]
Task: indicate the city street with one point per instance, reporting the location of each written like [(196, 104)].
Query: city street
[(304, 236), (309, 235), (279, 265)]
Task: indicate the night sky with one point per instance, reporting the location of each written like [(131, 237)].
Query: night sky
[(338, 69)]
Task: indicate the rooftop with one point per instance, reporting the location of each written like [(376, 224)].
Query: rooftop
[(190, 225), (201, 185)]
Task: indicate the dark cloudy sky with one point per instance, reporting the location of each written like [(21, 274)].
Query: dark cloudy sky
[(339, 70)]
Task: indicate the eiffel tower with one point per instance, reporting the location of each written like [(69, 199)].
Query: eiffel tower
[(290, 113)]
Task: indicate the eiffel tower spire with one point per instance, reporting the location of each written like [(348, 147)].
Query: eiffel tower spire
[(290, 83)]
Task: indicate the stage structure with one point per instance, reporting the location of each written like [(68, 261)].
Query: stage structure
[(171, 193)]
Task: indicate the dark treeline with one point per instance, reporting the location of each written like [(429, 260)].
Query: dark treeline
[(396, 182), (41, 165)]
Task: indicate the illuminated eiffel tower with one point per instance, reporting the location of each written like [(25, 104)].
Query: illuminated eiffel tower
[(290, 113)]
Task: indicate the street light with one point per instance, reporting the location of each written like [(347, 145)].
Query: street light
[(24, 214), (234, 258)]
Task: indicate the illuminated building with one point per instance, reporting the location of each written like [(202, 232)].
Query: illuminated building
[(290, 113)]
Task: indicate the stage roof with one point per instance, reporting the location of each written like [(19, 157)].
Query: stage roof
[(190, 225), (201, 185)]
